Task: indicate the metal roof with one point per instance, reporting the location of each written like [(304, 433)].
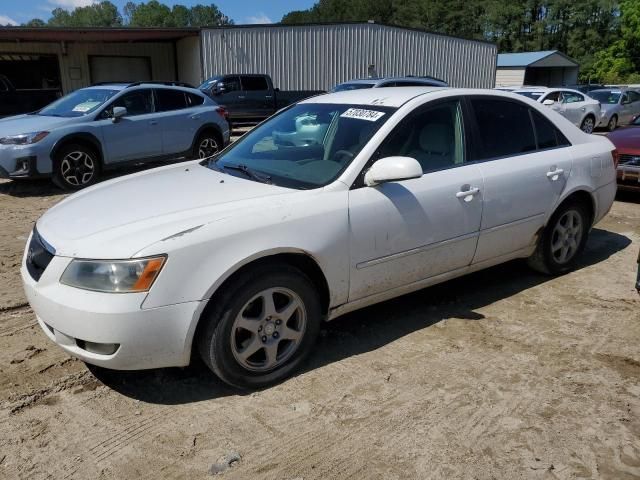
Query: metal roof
[(528, 59), (125, 34)]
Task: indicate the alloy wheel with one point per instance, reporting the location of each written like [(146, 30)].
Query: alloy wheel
[(588, 125), (566, 236), (269, 329), (77, 168), (207, 147)]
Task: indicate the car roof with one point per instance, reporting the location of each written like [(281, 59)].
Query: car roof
[(384, 97), (376, 80), (547, 89)]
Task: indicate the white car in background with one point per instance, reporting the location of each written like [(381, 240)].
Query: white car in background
[(333, 204), (580, 109)]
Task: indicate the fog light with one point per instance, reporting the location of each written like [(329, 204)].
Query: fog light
[(98, 348)]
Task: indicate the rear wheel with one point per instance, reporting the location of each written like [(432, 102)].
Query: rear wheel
[(261, 327), (75, 167), (563, 239), (207, 145), (613, 123), (588, 124)]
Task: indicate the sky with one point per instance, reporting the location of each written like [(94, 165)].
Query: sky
[(241, 11)]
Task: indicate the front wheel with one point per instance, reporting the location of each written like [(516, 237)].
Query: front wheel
[(75, 167), (613, 123), (261, 327), (206, 145), (563, 239), (588, 124)]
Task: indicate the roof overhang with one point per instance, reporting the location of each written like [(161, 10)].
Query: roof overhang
[(44, 34), (551, 58)]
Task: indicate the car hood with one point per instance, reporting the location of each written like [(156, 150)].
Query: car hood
[(32, 123), (626, 139), (119, 218)]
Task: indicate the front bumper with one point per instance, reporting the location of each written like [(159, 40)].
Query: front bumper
[(109, 330), (19, 162), (628, 177)]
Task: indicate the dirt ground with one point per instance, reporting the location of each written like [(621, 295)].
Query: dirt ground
[(502, 374)]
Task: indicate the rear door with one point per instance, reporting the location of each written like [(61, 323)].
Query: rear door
[(258, 97), (178, 122), (525, 162), (135, 136), (574, 104)]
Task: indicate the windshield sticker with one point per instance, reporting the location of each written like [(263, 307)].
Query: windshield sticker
[(85, 106), (361, 114)]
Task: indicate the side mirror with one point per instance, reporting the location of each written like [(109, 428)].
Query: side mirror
[(392, 169), (118, 113), (219, 89), (548, 102)]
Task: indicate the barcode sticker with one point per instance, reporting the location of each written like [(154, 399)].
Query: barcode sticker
[(361, 114)]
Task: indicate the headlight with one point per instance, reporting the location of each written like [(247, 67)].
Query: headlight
[(23, 139), (113, 276)]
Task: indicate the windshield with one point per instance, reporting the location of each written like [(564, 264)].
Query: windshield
[(606, 97), (306, 146), (343, 87), (78, 103), (534, 95)]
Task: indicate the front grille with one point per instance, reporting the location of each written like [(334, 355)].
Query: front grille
[(633, 160), (39, 255)]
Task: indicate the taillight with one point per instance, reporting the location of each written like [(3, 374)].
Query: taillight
[(616, 157), (223, 112)]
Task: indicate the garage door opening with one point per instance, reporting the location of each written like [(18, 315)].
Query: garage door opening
[(119, 69), (31, 71)]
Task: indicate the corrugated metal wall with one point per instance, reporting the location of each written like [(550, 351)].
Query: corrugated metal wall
[(74, 61), (319, 56)]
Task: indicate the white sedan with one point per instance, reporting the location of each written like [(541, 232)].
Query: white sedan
[(580, 109), (333, 204)]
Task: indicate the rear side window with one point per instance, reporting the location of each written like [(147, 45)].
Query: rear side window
[(634, 96), (572, 97), (547, 135), (170, 100), (504, 128), (194, 100), (254, 83)]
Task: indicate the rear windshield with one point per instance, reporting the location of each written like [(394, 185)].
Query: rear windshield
[(607, 97), (343, 87), (534, 95)]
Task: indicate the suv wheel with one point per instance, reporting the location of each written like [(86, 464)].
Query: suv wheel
[(206, 145), (75, 167), (261, 327), (563, 239)]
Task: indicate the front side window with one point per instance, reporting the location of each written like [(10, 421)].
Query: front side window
[(137, 102), (634, 96), (231, 84), (434, 136), (254, 83), (504, 128), (572, 97), (305, 146), (168, 100), (79, 103)]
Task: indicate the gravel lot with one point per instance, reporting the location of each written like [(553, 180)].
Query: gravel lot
[(502, 374)]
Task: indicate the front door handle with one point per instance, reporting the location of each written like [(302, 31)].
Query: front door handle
[(153, 122), (468, 194), (555, 174), (241, 97)]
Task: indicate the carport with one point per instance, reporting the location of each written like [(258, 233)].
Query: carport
[(548, 68), (73, 58)]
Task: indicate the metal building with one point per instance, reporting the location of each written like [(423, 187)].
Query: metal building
[(318, 56), (549, 68)]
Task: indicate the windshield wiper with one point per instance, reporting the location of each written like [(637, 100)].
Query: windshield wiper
[(249, 173)]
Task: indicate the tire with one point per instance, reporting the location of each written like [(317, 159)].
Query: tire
[(588, 124), (248, 345), (613, 123), (554, 254), (76, 167), (206, 145)]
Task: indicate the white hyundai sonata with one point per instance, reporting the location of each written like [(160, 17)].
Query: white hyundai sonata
[(333, 204)]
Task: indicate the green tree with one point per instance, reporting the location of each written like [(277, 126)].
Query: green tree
[(103, 14), (35, 22), (207, 16)]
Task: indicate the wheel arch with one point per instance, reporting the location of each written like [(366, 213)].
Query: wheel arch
[(212, 127), (81, 138), (297, 258), (582, 196)]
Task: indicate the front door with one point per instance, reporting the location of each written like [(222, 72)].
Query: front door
[(525, 163), (574, 106), (406, 231), (135, 136)]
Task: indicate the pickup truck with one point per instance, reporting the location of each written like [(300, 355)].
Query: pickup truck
[(251, 98), (14, 101)]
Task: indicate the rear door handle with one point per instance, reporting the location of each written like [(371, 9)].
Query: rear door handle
[(555, 174), (153, 122), (468, 194), (268, 97), (241, 97)]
